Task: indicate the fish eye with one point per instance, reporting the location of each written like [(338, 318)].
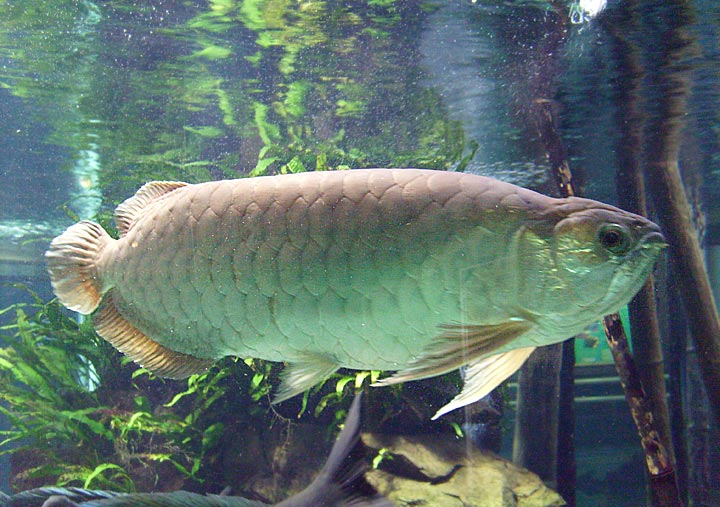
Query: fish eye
[(615, 238)]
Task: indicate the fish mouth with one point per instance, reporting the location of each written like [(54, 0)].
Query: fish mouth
[(654, 239)]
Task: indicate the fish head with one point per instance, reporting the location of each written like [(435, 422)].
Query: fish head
[(584, 259)]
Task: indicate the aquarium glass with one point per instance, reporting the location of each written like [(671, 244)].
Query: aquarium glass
[(602, 99)]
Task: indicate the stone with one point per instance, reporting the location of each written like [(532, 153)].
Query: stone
[(435, 470)]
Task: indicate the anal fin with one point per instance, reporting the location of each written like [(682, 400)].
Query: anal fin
[(299, 376), (483, 376), (114, 328)]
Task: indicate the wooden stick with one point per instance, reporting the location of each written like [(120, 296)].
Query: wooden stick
[(659, 463), (630, 120), (666, 188)]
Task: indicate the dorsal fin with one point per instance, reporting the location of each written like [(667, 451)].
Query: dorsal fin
[(131, 209)]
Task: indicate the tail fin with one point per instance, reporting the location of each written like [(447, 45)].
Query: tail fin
[(341, 482), (72, 263)]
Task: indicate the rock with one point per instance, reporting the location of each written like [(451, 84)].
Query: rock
[(431, 471)]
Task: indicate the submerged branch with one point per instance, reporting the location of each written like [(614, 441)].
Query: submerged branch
[(652, 409), (657, 458), (659, 462), (668, 192)]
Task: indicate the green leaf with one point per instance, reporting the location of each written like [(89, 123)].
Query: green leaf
[(179, 396), (360, 378), (134, 421), (294, 166), (303, 406), (99, 471), (80, 416), (458, 430), (139, 371), (342, 383), (205, 131), (321, 162), (262, 166), (254, 59), (212, 435), (473, 146), (222, 6), (381, 3), (266, 130), (295, 98), (213, 52), (350, 108), (142, 404), (381, 455), (324, 401)]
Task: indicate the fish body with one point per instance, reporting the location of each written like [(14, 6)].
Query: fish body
[(340, 483), (412, 270)]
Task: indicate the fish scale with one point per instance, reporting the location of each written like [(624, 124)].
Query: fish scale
[(392, 269)]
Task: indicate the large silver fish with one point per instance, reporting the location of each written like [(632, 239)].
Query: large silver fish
[(392, 269)]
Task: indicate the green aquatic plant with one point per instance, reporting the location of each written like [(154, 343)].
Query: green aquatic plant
[(331, 393), (227, 88), (83, 415), (80, 414), (49, 361), (215, 89), (79, 417)]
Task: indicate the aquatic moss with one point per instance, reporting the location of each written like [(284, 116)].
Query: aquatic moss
[(83, 419)]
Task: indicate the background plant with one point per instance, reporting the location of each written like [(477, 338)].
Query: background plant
[(80, 414), (81, 418), (200, 91)]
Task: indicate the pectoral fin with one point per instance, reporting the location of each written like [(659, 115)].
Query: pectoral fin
[(457, 346), (485, 375), (299, 376)]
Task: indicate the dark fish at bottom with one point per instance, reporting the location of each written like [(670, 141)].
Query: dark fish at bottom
[(340, 483)]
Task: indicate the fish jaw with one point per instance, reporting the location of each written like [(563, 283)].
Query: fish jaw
[(636, 271), (569, 277)]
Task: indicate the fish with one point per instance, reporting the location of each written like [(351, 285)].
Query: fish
[(415, 271), (340, 483)]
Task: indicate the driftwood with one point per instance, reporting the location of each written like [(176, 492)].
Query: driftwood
[(676, 366), (546, 122), (631, 197), (666, 188), (662, 476), (648, 411), (650, 401), (659, 463), (537, 414)]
